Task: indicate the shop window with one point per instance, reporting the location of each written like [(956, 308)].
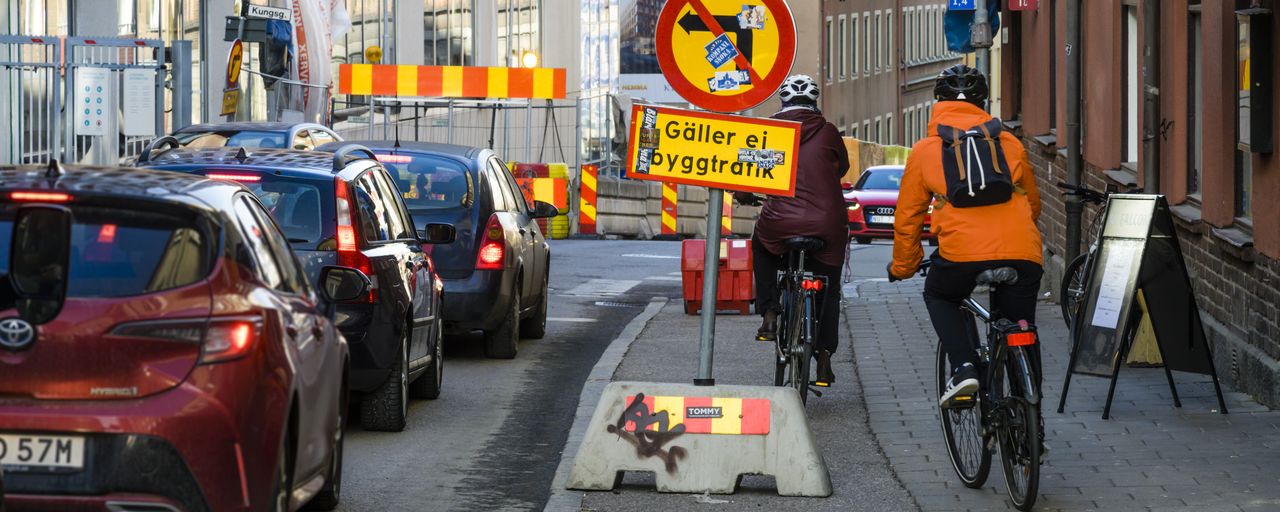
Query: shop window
[(447, 27)]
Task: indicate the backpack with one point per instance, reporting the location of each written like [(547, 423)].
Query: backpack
[(974, 166)]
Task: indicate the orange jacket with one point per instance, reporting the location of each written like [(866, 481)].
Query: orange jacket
[(1005, 231)]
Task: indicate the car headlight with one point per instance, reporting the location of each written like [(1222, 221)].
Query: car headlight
[(854, 205)]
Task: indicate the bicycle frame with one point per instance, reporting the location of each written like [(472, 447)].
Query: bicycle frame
[(999, 354)]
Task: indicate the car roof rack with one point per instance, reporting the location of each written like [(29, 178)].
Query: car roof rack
[(158, 145), (340, 156)]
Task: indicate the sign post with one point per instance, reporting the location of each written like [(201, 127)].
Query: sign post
[(231, 94)]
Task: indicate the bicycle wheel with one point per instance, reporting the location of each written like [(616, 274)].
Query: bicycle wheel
[(1074, 284), (1019, 429), (781, 341), (802, 345), (962, 429)]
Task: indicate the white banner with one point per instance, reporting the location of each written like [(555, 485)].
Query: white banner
[(138, 101), (316, 23)]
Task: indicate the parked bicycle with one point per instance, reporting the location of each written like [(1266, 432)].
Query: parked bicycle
[(1006, 409), (797, 324), (1075, 279)]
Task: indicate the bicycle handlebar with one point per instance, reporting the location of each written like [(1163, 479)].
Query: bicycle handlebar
[(1084, 192)]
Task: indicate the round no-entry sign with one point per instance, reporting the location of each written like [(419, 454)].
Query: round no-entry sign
[(725, 55)]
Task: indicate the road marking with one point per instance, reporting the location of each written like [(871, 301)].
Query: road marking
[(663, 278), (602, 287), (576, 320), (651, 256)]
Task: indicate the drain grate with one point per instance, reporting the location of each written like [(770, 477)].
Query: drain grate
[(612, 304)]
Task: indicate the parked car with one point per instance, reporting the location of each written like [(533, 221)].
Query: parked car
[(496, 273), (343, 209), (188, 364), (256, 135), (872, 203)]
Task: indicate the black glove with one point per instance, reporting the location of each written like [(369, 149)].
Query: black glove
[(747, 198), (888, 269)]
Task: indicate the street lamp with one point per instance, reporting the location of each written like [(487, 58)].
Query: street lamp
[(529, 59)]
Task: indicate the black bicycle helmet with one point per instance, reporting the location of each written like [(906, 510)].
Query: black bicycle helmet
[(963, 83)]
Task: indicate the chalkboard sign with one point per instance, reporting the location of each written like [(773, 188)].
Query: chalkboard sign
[(1138, 250)]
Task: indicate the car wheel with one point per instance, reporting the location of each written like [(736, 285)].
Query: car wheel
[(385, 409), (428, 384), (535, 327), (501, 342), (331, 493), (862, 240), (282, 489)]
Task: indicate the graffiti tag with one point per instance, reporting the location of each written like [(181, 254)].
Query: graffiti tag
[(649, 443)]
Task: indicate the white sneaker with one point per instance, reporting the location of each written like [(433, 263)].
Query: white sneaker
[(961, 387)]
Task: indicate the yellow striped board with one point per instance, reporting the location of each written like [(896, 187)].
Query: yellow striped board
[(451, 81)]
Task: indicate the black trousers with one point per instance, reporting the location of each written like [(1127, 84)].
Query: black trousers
[(767, 266), (949, 283)]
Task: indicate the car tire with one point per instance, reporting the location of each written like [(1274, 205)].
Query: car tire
[(331, 493), (535, 327), (385, 409), (862, 240), (429, 383), (501, 343)]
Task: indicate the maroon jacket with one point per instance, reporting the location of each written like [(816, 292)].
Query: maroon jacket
[(818, 208)]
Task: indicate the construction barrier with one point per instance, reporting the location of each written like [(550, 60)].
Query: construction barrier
[(451, 81), (726, 215), (560, 223), (670, 199), (736, 286), (587, 201)]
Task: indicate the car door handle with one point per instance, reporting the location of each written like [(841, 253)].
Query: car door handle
[(291, 331), (522, 231), (317, 331)]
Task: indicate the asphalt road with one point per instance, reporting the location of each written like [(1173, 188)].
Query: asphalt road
[(493, 439)]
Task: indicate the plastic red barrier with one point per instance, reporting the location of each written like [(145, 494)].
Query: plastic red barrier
[(735, 289)]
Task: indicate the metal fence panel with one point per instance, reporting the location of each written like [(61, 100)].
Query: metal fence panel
[(115, 56), (30, 98)]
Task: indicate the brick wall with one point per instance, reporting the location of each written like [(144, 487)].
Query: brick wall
[(1237, 288)]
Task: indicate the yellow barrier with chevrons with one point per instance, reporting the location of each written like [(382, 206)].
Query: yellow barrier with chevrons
[(451, 81)]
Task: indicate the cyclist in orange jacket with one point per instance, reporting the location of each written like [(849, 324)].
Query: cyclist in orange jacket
[(973, 235)]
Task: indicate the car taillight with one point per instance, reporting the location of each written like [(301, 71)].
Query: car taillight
[(493, 248), (39, 197), (227, 176), (222, 338), (349, 254)]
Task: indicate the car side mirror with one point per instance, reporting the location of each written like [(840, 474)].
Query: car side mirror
[(437, 233), (543, 210), (38, 261), (341, 284)]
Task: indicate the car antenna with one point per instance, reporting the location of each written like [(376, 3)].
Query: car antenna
[(397, 144), (55, 170), (242, 155)]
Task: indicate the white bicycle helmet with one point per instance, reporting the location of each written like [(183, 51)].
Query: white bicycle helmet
[(798, 86)]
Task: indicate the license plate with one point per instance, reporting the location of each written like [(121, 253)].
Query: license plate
[(880, 219), (21, 452)]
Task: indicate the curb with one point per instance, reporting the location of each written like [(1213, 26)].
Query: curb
[(564, 500)]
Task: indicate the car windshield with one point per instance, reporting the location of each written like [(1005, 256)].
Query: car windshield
[(118, 252), (880, 179), (429, 182), (299, 205), (231, 138)]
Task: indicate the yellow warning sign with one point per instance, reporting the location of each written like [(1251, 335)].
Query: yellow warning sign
[(230, 101), (713, 150)]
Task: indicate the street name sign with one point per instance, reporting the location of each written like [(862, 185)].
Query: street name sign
[(713, 150), (271, 13), (725, 55)]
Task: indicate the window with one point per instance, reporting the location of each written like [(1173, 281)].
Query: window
[(322, 137), (302, 140), (888, 136), (255, 238), (867, 134), (829, 66), (1244, 152), (373, 221), (877, 35), (401, 226), (1195, 164), (908, 48), (853, 46), (1131, 84), (513, 199), (430, 182), (842, 46), (518, 30), (878, 132), (517, 194), (495, 191), (447, 32), (853, 130), (889, 61), (293, 279), (866, 43)]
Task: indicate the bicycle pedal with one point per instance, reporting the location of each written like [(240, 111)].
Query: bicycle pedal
[(815, 392)]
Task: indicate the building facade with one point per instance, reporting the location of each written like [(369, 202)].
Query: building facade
[(1213, 159)]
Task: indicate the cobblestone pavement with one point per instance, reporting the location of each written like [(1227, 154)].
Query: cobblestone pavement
[(1149, 456)]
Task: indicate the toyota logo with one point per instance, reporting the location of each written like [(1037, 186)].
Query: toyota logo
[(16, 333)]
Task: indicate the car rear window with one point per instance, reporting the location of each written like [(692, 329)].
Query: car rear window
[(247, 138), (118, 253), (429, 182), (303, 207), (888, 179)]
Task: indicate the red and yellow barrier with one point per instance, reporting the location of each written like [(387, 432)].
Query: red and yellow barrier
[(451, 81), (587, 201), (726, 215), (708, 415), (669, 200)]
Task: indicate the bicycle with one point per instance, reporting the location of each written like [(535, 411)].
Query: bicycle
[(1006, 410), (797, 323), (1075, 277)]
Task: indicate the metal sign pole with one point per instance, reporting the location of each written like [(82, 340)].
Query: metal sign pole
[(710, 276)]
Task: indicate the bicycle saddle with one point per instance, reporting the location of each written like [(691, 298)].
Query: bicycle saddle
[(804, 243), (998, 276)]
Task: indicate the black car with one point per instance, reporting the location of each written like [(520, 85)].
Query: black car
[(344, 209), (256, 135), (495, 274)]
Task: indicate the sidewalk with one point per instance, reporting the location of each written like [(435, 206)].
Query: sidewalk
[(667, 351), (1149, 456)]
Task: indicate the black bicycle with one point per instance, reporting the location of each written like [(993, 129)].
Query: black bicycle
[(1075, 278), (1006, 410), (797, 323)]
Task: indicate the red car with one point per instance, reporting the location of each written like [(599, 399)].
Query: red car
[(191, 365), (872, 202)]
